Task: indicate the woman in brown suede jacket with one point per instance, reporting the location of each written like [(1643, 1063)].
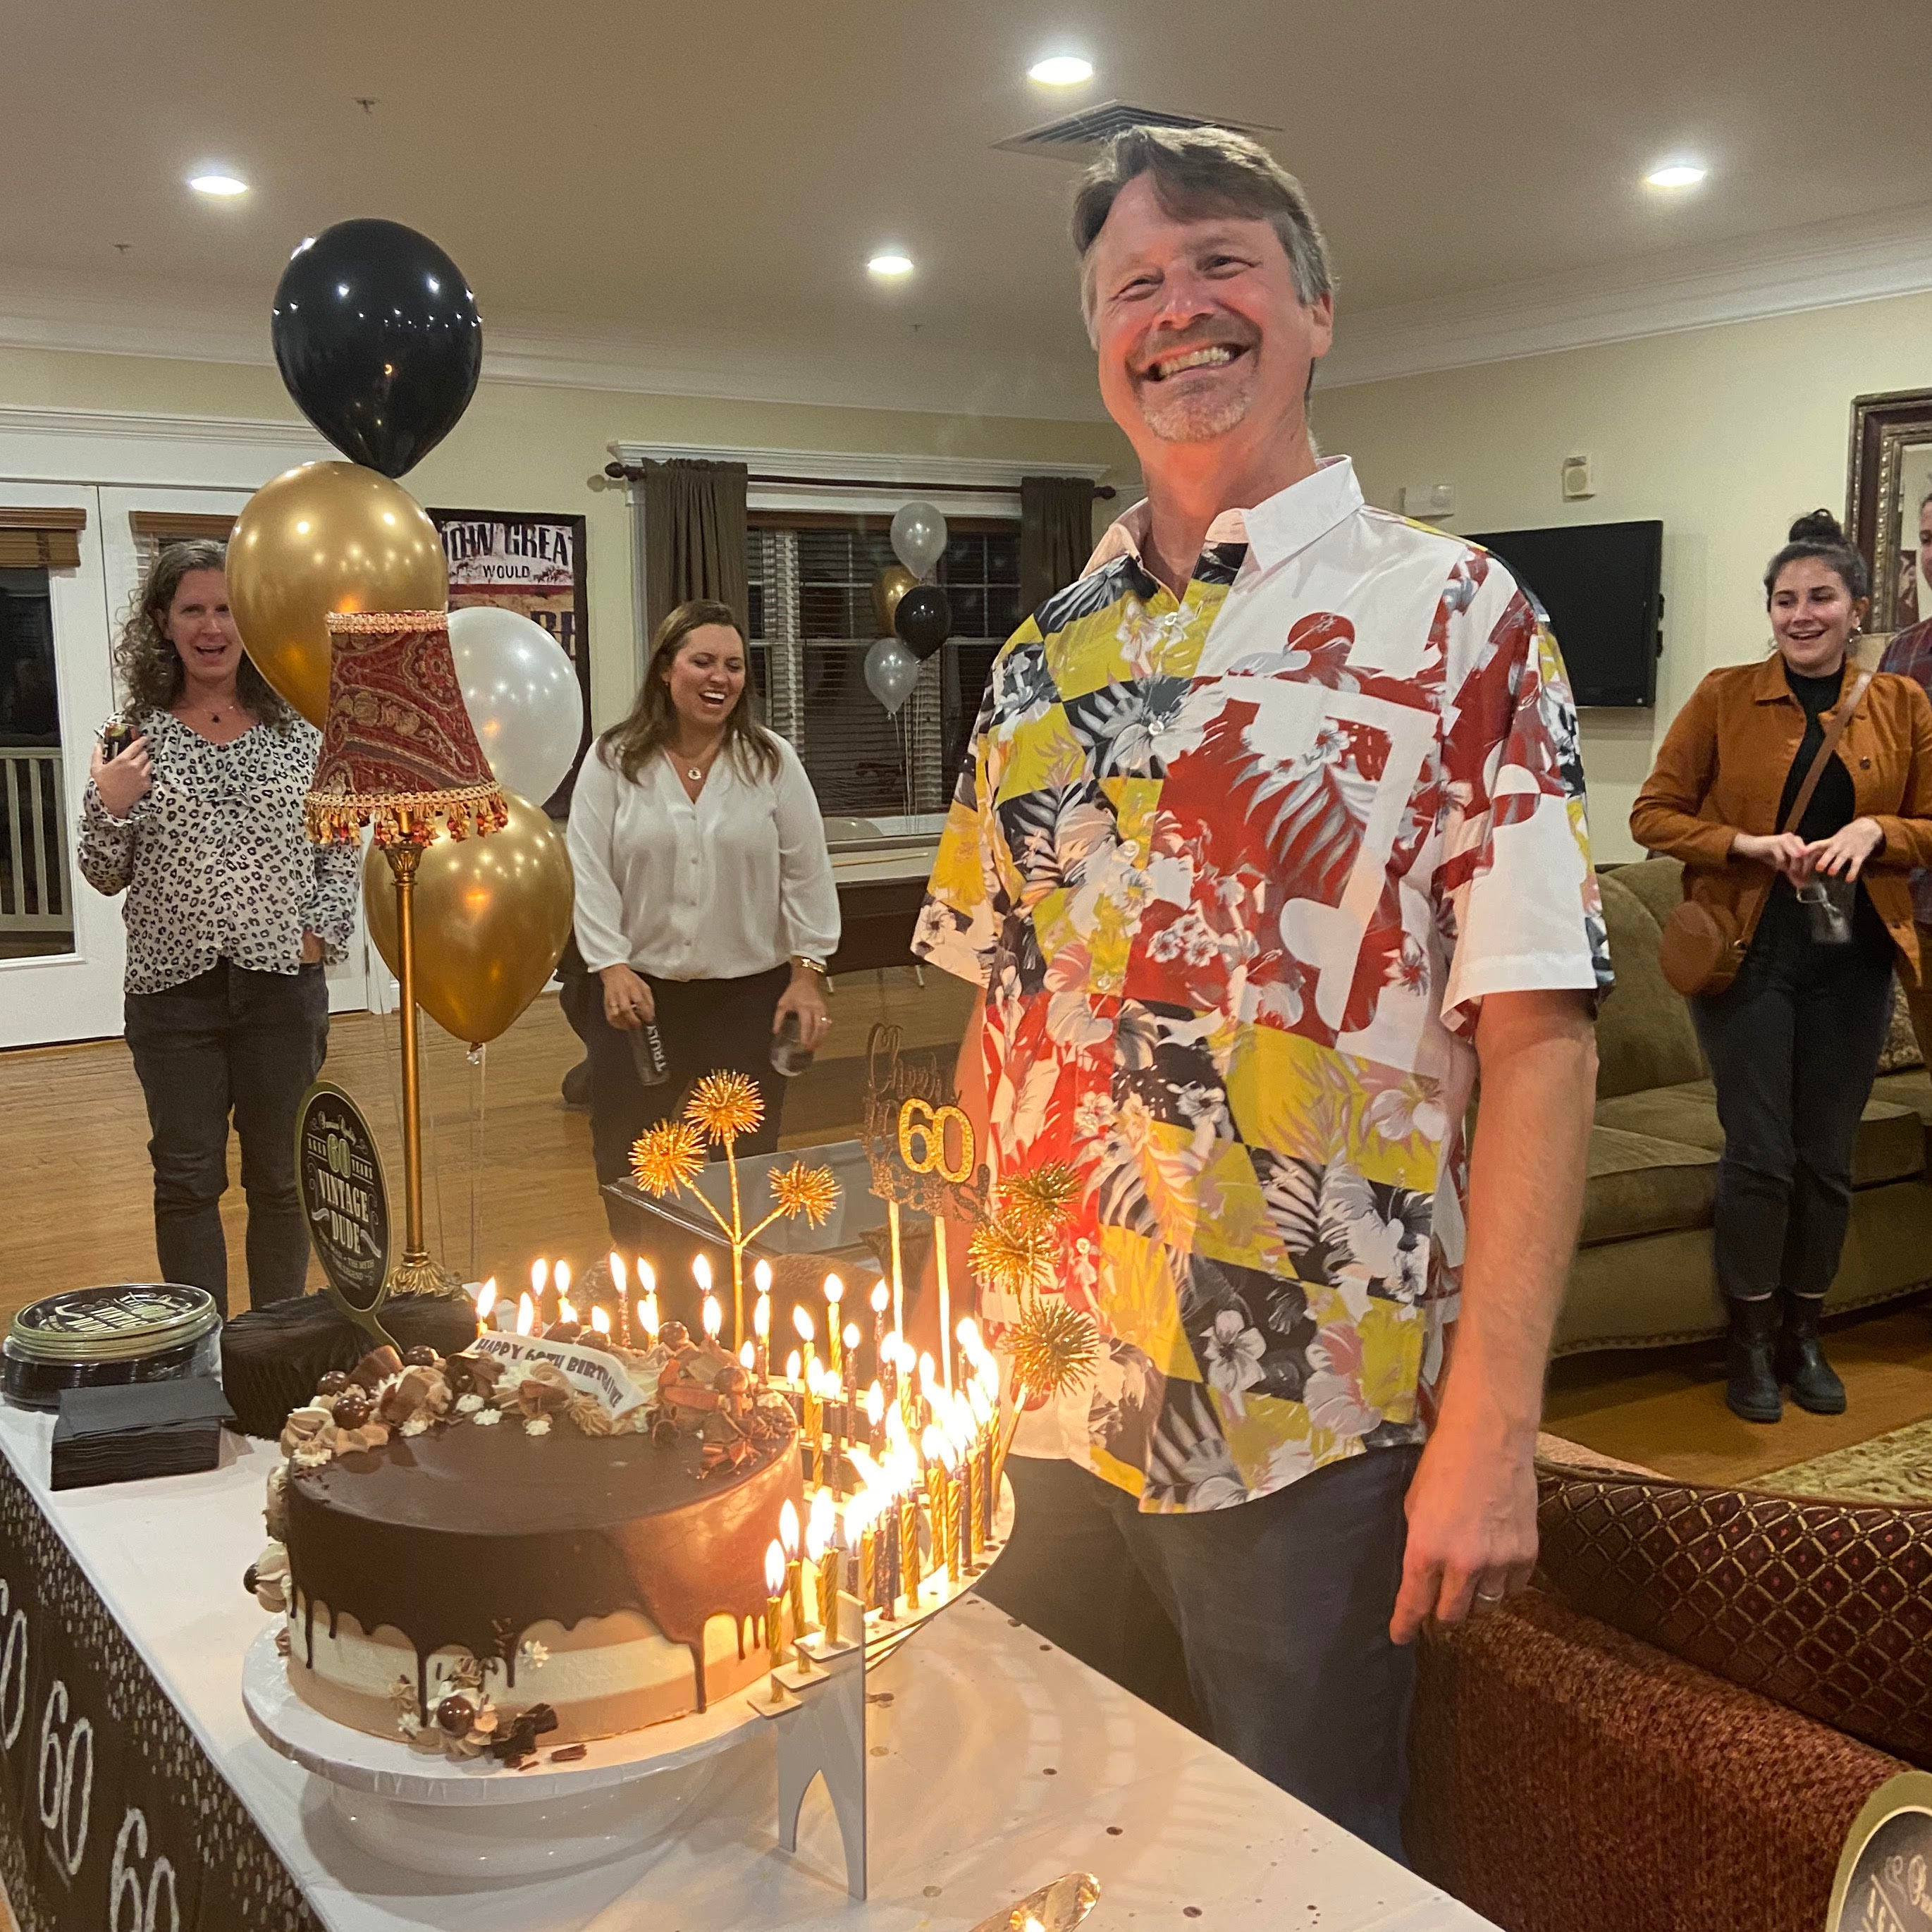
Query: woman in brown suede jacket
[(1793, 1041)]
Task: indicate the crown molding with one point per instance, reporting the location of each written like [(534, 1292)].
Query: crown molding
[(1824, 265), (254, 431)]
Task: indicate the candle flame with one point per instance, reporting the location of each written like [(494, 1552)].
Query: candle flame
[(881, 1297), (714, 1318), (851, 1337), (647, 1277), (875, 1405), (775, 1568), (562, 1278), (747, 1357), (700, 1271), (600, 1320), (788, 1528), (617, 1279), (486, 1299), (565, 1312), (834, 1290), (801, 1320), (932, 1443), (761, 1316), (647, 1312), (792, 1362), (761, 1277), (539, 1275), (526, 1314), (928, 1373)]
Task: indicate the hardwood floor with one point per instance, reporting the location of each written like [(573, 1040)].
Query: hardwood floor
[(504, 1158)]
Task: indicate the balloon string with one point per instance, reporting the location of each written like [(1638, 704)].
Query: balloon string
[(479, 1058)]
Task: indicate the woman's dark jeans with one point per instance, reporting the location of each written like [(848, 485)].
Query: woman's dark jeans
[(228, 1043)]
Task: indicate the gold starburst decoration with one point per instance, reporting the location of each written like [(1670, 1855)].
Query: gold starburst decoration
[(667, 1156), (1051, 1344), (1016, 1259), (1040, 1200), (725, 1105), (809, 1191)]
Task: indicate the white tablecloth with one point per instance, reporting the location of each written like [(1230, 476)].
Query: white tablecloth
[(997, 1764)]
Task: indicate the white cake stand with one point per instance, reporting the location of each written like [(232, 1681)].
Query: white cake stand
[(478, 1819)]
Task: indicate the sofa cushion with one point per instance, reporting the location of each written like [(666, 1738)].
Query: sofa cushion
[(1825, 1607), (1658, 883), (1639, 1185), (1644, 1034), (1890, 1146)]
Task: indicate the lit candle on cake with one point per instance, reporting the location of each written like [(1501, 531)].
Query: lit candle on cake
[(526, 1314), (862, 1518), (928, 1385), (600, 1321), (881, 1296), (539, 1282), (852, 1339), (561, 1279), (794, 1573), (774, 1583), (748, 1359), (761, 1328), (486, 1300), (811, 1424), (875, 1416), (819, 1547), (792, 1369), (647, 1308), (623, 1288), (939, 1501), (909, 1563), (835, 1293), (713, 1318), (808, 1332), (700, 1273)]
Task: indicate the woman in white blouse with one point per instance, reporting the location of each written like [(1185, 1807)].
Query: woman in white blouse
[(705, 904), (230, 913)]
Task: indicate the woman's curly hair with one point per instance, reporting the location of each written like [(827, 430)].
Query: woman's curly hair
[(149, 666)]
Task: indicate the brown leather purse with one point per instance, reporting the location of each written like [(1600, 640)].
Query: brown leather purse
[(1702, 946)]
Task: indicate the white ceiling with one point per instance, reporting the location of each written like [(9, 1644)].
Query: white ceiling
[(683, 197)]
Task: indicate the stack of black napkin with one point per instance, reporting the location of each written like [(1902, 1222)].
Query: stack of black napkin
[(120, 1434)]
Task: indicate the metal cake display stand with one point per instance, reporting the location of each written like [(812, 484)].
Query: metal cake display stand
[(478, 1819)]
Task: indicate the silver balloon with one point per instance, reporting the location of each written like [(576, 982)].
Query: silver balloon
[(522, 695), (919, 539), (891, 672)]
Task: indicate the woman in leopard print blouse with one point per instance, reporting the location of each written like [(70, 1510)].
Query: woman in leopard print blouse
[(230, 912)]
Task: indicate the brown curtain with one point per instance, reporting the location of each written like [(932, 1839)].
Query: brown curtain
[(48, 539), (694, 538), (1056, 534)]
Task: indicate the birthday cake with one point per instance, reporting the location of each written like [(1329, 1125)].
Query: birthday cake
[(552, 1539)]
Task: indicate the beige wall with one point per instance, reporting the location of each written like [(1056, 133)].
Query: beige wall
[(524, 448), (1725, 433)]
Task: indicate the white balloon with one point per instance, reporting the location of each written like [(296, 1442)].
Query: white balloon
[(522, 695), (891, 672), (918, 537)]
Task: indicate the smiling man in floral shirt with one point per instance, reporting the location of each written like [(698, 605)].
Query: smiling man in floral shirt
[(1270, 836)]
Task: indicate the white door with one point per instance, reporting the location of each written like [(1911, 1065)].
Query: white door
[(125, 560), (62, 951)]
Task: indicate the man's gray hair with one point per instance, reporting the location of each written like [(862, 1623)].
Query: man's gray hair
[(1198, 171)]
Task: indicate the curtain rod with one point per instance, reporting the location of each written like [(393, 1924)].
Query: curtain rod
[(633, 472)]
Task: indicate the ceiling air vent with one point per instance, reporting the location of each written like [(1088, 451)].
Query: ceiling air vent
[(1075, 137)]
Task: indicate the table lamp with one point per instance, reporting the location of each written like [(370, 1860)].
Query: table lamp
[(399, 754)]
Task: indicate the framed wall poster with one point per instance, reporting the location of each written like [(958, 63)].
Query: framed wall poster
[(534, 563)]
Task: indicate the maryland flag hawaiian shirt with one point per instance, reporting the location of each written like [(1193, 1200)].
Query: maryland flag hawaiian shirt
[(1237, 871)]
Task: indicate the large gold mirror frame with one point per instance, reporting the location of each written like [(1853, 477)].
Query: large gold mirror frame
[(1891, 458)]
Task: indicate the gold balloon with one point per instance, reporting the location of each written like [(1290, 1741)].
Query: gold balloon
[(492, 916), (888, 587), (328, 536)]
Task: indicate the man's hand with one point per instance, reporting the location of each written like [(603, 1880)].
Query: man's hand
[(1472, 1504)]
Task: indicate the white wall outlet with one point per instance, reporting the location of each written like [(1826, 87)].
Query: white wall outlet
[(1428, 500), (1579, 478)]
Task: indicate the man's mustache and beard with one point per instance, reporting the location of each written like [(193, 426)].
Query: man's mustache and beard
[(1198, 383)]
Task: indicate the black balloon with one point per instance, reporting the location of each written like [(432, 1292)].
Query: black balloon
[(924, 619), (377, 337)]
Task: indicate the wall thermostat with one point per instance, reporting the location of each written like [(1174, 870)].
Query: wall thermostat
[(1428, 500), (1579, 478)]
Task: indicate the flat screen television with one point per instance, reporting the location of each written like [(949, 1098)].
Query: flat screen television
[(1600, 586)]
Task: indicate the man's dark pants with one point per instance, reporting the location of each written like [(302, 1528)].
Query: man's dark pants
[(1272, 1615)]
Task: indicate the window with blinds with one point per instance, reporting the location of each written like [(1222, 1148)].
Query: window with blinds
[(812, 621)]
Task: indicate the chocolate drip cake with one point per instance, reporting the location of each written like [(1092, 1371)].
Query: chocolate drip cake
[(551, 1538)]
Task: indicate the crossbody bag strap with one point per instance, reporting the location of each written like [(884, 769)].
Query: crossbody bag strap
[(1833, 733)]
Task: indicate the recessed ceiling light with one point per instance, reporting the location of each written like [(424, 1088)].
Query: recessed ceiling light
[(1061, 71), (222, 186), (890, 263), (1676, 174)]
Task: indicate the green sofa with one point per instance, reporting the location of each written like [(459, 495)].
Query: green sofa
[(1642, 1275)]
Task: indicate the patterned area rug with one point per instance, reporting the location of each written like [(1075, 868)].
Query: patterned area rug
[(1893, 1468)]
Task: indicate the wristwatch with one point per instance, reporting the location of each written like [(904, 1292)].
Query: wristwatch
[(810, 965)]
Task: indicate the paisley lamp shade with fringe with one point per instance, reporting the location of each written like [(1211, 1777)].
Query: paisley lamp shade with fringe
[(398, 750)]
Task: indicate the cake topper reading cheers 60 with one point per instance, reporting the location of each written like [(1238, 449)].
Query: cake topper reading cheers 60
[(345, 1202)]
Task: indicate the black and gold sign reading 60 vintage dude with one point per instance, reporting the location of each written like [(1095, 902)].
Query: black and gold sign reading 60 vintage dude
[(344, 1200)]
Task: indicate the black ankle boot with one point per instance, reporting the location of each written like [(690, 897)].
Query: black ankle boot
[(1814, 1384), (1750, 1386)]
